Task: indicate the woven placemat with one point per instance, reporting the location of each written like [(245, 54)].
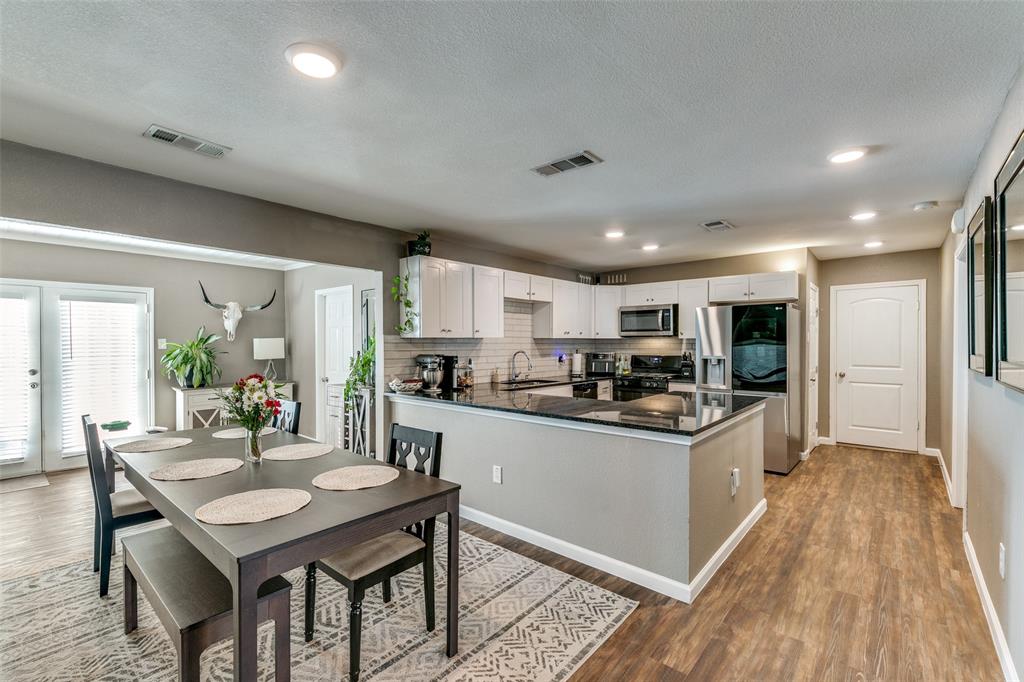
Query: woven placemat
[(195, 468), (355, 477), (297, 451), (152, 444), (253, 506), (240, 432)]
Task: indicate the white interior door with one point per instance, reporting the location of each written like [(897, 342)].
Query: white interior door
[(812, 365), (336, 347), (877, 365), (20, 425)]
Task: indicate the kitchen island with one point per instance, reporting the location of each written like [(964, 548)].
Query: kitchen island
[(657, 491)]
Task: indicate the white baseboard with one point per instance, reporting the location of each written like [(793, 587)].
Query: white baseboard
[(684, 592), (935, 452), (826, 440), (932, 452), (995, 629)]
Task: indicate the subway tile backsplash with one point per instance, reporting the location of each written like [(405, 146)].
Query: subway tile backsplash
[(400, 354)]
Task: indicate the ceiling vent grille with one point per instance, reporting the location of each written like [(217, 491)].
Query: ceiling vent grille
[(718, 225), (584, 158), (183, 141)]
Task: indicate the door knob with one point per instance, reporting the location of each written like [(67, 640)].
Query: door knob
[(813, 379), (842, 375), (324, 379), (33, 385)]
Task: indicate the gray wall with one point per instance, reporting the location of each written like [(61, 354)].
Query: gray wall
[(300, 289), (995, 435), (50, 187), (178, 306), (790, 259), (947, 255), (886, 267)]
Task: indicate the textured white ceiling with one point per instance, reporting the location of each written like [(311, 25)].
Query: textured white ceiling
[(701, 110)]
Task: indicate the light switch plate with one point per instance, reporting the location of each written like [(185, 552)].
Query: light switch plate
[(161, 344), (1002, 561), (496, 474)]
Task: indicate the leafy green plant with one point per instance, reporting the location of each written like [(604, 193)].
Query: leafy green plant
[(423, 236), (400, 294), (360, 369), (193, 362)]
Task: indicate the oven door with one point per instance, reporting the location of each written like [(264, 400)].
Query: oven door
[(648, 320), (624, 394)]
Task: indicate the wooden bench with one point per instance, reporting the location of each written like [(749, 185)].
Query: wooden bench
[(192, 599)]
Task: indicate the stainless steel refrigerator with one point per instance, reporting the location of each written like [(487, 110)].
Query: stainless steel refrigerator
[(754, 349)]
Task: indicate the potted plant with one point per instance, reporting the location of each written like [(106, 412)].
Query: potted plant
[(360, 370), (193, 363), (252, 402), (359, 399), (421, 245)]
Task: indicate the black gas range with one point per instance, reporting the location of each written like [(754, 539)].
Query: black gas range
[(651, 374)]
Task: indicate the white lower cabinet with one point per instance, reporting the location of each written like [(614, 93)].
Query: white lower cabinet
[(604, 389), (562, 391), (199, 408)]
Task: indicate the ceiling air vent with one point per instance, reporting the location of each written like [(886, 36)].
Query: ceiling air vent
[(189, 142), (719, 225), (584, 158)]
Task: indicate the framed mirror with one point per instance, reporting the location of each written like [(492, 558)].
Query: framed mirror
[(1009, 239), (980, 280)]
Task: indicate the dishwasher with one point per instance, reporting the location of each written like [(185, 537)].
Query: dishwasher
[(587, 389)]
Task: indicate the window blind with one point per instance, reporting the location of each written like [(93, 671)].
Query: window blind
[(14, 379), (100, 369)]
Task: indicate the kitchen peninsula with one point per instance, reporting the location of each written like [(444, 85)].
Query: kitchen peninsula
[(657, 490)]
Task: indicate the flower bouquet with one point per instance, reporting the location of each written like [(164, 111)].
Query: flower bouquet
[(252, 403)]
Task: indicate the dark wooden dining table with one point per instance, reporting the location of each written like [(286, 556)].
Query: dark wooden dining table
[(248, 554)]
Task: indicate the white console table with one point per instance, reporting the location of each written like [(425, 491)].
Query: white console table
[(197, 408)]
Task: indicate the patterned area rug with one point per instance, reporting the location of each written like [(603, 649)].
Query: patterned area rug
[(520, 620)]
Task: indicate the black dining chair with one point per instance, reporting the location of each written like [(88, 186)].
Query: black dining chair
[(114, 510), (288, 419), (376, 561)]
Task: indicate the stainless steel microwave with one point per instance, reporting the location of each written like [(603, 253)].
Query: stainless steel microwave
[(649, 320)]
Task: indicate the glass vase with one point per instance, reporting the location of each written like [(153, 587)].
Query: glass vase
[(253, 446)]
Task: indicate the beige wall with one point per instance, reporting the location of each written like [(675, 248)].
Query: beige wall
[(886, 267), (178, 306), (300, 298), (947, 255), (995, 436), (790, 259), (55, 188)]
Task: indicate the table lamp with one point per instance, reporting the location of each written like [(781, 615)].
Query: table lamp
[(269, 350)]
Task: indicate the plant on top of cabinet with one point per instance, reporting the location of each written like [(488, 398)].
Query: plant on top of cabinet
[(193, 363), (400, 294), (421, 245)]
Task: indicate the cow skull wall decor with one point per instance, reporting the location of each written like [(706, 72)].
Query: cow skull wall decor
[(232, 311)]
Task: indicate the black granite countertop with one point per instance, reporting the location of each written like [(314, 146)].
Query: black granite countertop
[(680, 413)]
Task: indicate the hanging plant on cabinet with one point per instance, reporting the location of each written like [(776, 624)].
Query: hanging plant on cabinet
[(400, 294)]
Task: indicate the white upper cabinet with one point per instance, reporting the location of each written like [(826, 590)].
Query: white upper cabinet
[(523, 287), (657, 293), (442, 296), (559, 319), (488, 303), (768, 286), (775, 286), (517, 286), (585, 312), (607, 300), (692, 294)]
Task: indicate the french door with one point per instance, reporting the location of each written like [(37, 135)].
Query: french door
[(70, 350), (20, 430)]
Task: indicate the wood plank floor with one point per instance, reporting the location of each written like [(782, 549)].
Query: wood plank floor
[(857, 571)]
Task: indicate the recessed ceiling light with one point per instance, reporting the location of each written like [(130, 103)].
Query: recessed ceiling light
[(312, 60), (925, 205), (1018, 228), (614, 234), (863, 215), (650, 247), (847, 155), (872, 245)]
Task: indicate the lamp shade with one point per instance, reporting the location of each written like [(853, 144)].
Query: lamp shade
[(267, 349)]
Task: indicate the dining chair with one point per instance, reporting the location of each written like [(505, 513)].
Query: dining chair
[(376, 561), (192, 599), (288, 419), (114, 510)]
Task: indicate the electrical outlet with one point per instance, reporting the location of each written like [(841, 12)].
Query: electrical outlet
[(496, 474), (1002, 561), (161, 344)]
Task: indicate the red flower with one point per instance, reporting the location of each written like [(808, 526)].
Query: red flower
[(270, 403), (276, 411)]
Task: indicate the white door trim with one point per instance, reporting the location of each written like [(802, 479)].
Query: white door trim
[(958, 409), (922, 342), (811, 417)]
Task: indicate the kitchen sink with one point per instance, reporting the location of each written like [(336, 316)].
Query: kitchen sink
[(525, 383)]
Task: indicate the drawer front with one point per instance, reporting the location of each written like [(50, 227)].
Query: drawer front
[(203, 401)]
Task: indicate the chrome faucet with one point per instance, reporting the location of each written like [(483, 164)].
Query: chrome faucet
[(529, 365)]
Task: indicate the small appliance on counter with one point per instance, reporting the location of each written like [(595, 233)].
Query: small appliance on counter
[(600, 365), (438, 372)]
